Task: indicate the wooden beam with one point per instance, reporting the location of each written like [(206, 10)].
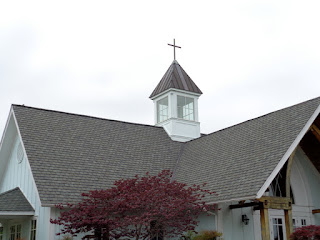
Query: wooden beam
[(282, 203), (316, 131), (288, 173), (289, 223), (314, 211), (251, 204), (264, 219)]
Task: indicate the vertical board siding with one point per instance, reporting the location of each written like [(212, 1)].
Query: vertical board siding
[(20, 175), (206, 222), (312, 179), (233, 228)]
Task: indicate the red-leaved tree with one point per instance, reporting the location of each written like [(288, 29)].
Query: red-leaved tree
[(310, 232), (140, 208)]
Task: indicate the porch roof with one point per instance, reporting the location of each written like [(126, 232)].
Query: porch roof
[(13, 202)]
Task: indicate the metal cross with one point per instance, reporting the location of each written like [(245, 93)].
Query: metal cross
[(174, 48)]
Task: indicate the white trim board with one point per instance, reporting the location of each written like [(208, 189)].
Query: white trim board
[(176, 90)]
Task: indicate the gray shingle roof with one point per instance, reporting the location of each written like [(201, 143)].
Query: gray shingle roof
[(177, 78), (70, 154), (236, 161), (14, 201)]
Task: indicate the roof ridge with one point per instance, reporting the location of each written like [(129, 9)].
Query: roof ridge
[(83, 115), (209, 134)]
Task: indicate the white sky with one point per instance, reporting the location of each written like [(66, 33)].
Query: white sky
[(104, 58)]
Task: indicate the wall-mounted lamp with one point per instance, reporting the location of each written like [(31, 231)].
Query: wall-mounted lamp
[(245, 219)]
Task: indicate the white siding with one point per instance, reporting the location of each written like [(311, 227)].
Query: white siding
[(20, 175), (233, 227), (305, 182)]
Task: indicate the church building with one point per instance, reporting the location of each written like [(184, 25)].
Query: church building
[(265, 171)]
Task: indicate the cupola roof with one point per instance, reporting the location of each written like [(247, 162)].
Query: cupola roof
[(177, 78)]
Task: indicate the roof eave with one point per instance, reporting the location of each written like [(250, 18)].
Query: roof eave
[(233, 199)]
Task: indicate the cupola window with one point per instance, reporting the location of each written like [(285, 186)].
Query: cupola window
[(185, 107), (162, 109)]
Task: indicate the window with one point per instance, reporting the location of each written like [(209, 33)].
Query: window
[(294, 224), (185, 108), (33, 229), (162, 109), (15, 232), (278, 231), (298, 222), (156, 231), (1, 232), (278, 186)]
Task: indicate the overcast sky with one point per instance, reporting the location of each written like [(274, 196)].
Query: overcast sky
[(104, 58)]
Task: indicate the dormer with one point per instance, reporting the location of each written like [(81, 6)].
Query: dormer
[(176, 104)]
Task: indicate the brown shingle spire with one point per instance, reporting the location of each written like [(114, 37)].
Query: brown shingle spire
[(177, 78)]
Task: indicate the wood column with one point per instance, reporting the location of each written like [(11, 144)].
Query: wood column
[(288, 221), (288, 173), (264, 218)]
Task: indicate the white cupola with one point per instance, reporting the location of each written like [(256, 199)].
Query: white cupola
[(176, 104)]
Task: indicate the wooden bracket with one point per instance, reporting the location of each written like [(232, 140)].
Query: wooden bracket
[(314, 211), (316, 131), (282, 203)]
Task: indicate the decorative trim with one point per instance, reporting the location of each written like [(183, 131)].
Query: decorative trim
[(20, 153)]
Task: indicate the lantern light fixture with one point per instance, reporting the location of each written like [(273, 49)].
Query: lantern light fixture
[(245, 219)]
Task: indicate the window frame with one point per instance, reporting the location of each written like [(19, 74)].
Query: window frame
[(160, 116), (277, 228), (15, 231), (33, 230), (298, 222), (185, 109)]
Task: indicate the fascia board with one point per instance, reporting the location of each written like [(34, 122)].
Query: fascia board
[(11, 213), (53, 205), (288, 153)]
